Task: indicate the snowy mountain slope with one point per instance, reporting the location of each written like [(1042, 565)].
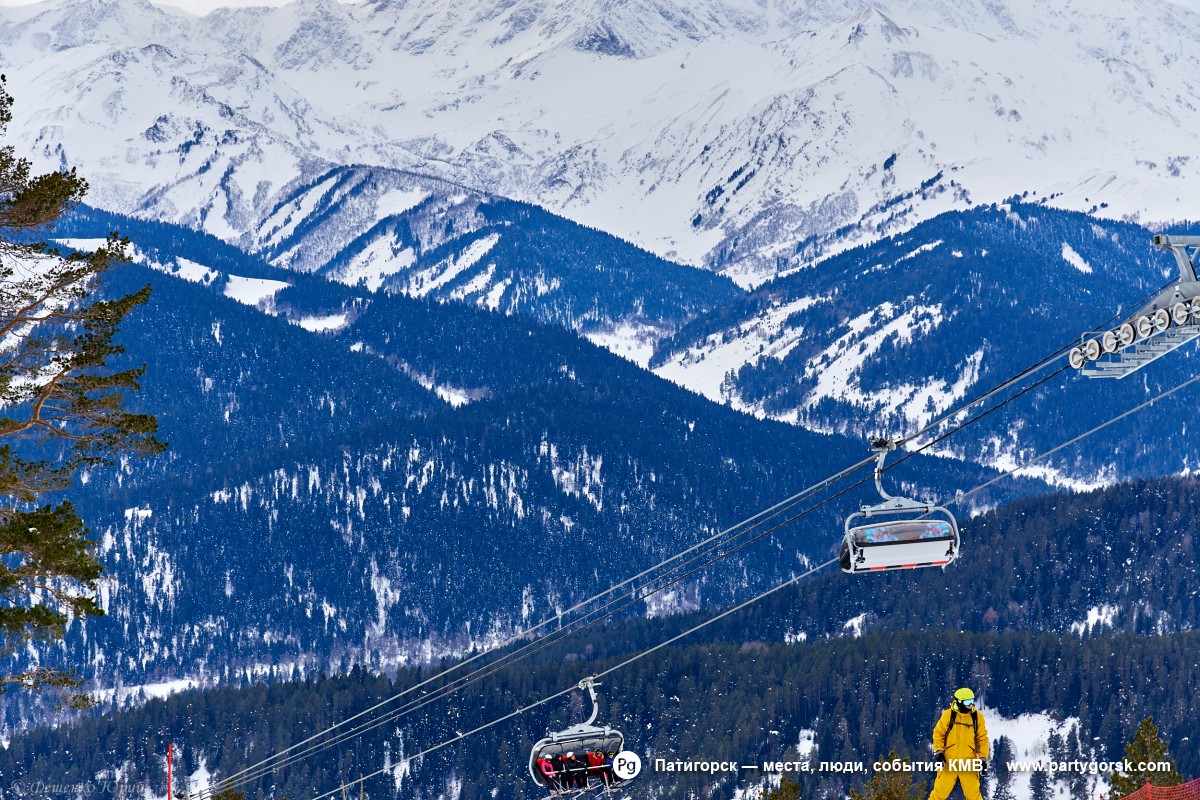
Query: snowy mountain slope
[(885, 338), (422, 237), (737, 135), (387, 482), (161, 125)]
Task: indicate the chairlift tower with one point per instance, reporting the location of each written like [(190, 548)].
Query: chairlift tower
[(1169, 321)]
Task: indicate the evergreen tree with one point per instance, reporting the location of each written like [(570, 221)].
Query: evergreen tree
[(890, 785), (1146, 748), (1054, 743), (227, 792), (1077, 782), (64, 406), (1039, 786), (787, 789), (1002, 753)]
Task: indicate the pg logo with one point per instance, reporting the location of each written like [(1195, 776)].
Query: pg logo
[(627, 765)]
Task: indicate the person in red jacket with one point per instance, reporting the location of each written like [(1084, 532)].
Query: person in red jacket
[(595, 760)]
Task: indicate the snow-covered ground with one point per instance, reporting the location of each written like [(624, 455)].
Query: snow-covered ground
[(1029, 734), (703, 368), (629, 340), (253, 291)]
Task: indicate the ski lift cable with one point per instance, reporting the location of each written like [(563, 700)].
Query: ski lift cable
[(609, 671), (547, 641), (497, 666), (1037, 366), (1145, 404), (537, 646), (951, 431), (754, 520), (557, 636), (746, 524), (793, 580)]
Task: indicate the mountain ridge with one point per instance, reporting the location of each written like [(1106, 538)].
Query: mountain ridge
[(832, 120), (360, 477)]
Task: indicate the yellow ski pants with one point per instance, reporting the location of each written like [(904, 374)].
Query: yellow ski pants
[(943, 784)]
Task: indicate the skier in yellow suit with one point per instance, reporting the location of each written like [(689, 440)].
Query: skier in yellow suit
[(960, 743)]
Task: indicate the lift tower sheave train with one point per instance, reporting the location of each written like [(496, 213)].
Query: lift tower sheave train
[(1169, 321)]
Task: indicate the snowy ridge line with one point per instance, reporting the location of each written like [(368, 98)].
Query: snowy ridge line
[(744, 167)]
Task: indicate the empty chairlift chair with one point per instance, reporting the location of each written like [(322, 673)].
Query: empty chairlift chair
[(898, 533)]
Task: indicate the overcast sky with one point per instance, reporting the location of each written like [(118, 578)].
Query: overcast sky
[(204, 6)]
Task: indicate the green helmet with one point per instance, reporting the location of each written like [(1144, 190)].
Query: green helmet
[(964, 694)]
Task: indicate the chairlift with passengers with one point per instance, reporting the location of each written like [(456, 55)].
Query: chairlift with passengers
[(913, 541), (579, 740)]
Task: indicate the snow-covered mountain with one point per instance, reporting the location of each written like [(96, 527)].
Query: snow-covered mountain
[(357, 477), (424, 237), (734, 134), (890, 336)]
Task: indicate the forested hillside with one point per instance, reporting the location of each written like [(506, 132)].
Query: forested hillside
[(890, 335), (746, 702), (359, 477), (1024, 617)]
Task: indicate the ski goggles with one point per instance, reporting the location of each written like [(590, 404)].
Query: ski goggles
[(967, 703)]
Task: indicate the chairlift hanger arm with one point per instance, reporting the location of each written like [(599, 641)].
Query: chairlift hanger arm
[(891, 504), (884, 446), (589, 683)]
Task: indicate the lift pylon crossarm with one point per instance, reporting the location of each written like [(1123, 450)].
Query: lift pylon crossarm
[(1169, 321), (1178, 245)]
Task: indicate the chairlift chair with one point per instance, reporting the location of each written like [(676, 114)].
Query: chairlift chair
[(914, 541), (581, 739)]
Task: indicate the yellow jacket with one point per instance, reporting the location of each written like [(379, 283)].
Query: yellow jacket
[(964, 742)]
